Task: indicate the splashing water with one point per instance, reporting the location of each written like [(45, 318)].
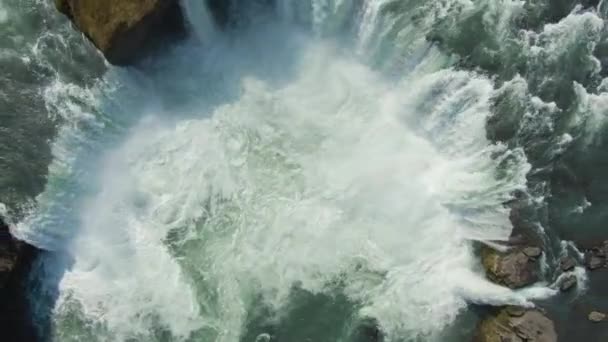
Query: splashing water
[(271, 160)]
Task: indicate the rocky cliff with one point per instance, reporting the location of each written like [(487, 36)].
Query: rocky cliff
[(16, 258), (125, 30)]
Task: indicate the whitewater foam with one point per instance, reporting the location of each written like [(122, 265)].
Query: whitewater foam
[(3, 14), (237, 185)]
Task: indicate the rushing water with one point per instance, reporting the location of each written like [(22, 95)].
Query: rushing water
[(314, 167)]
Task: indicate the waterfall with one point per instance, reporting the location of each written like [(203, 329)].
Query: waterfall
[(330, 150)]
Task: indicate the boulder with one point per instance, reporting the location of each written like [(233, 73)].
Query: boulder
[(596, 256), (124, 30), (568, 283), (515, 311), (532, 252), (516, 325), (596, 316), (514, 268), (567, 264)]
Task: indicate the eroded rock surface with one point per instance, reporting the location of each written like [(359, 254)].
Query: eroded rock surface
[(516, 325), (124, 30), (516, 268)]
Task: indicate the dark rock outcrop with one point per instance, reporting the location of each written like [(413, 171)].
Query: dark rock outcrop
[(595, 257), (567, 264), (125, 30), (516, 325), (16, 258), (516, 268)]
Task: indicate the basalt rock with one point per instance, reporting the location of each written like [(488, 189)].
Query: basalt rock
[(516, 268), (516, 325), (16, 258), (125, 30)]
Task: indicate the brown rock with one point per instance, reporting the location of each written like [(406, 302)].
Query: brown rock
[(123, 29), (596, 316), (515, 311), (531, 326), (513, 269)]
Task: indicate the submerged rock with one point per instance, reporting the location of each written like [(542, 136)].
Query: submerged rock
[(124, 30), (597, 317), (568, 284), (516, 325), (514, 268)]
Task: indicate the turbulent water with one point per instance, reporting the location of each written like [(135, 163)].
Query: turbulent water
[(314, 167)]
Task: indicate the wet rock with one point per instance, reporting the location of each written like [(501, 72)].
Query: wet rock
[(567, 264), (599, 252), (595, 256), (124, 30), (529, 326), (596, 316), (532, 252), (515, 311), (16, 258), (516, 240), (568, 284), (514, 268), (594, 262), (9, 254)]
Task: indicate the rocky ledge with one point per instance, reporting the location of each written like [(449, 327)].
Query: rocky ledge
[(125, 30), (516, 324), (516, 268), (15, 260), (597, 257)]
